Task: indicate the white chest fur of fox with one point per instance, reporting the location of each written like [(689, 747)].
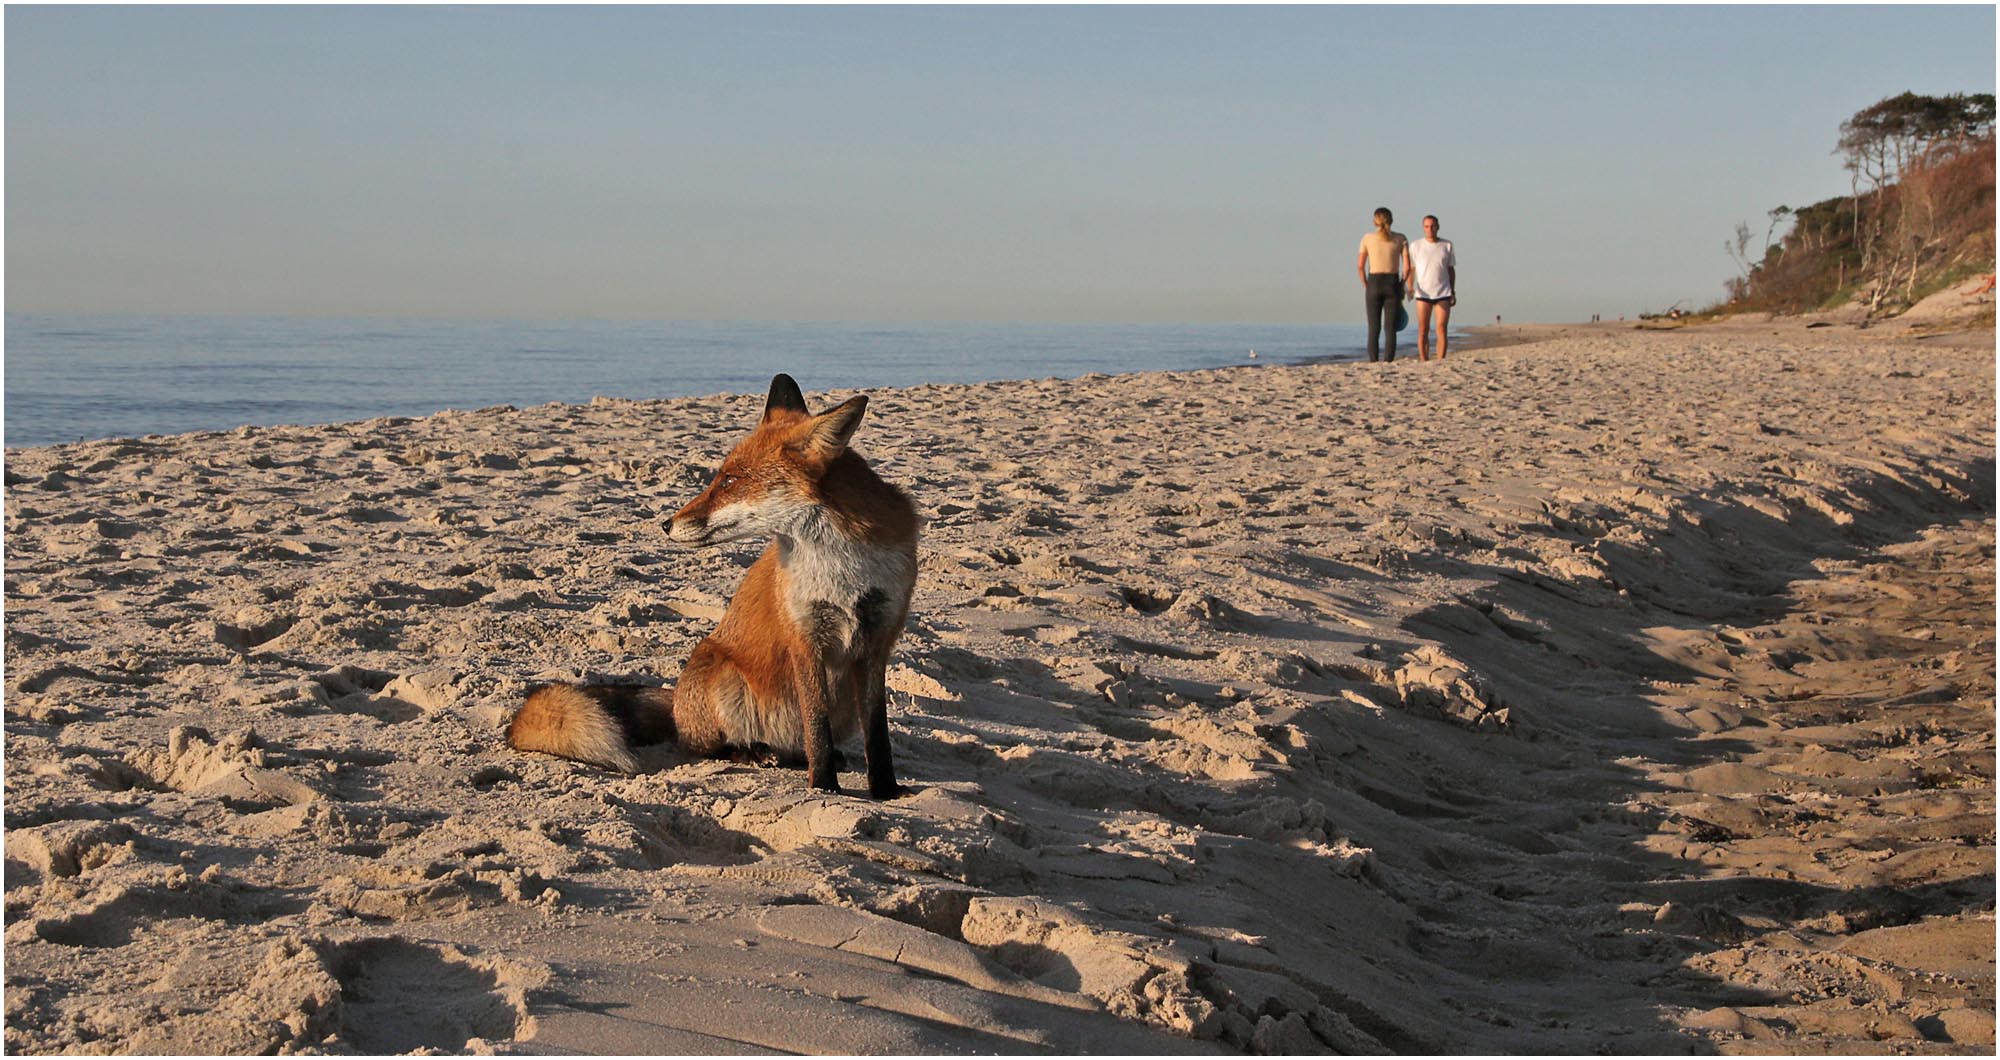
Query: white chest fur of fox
[(798, 660), (849, 587), (847, 601)]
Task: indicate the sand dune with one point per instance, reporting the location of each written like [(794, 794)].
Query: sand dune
[(1623, 691)]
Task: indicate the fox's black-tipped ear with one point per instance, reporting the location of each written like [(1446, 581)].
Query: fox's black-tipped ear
[(831, 429), (784, 396)]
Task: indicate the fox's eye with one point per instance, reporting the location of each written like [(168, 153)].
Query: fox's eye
[(727, 481)]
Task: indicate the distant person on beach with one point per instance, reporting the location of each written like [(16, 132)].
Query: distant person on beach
[(1381, 267), (1432, 276)]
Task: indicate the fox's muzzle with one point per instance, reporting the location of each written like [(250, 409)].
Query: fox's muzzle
[(691, 530)]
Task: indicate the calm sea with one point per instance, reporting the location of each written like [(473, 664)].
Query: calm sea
[(71, 377)]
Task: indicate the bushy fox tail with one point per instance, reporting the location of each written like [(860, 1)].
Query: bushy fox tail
[(599, 724)]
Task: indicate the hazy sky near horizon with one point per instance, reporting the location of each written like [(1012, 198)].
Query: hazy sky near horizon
[(1130, 164)]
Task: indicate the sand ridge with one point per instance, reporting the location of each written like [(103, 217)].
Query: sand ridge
[(1624, 691)]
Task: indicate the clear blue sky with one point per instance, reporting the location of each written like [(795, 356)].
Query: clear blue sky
[(1127, 164)]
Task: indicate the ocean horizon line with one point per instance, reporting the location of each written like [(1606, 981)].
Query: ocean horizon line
[(704, 320)]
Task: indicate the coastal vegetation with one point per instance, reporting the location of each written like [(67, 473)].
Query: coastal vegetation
[(1918, 218)]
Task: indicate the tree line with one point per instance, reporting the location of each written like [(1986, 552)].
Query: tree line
[(1919, 208)]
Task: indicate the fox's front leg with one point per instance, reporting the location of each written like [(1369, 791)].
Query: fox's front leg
[(870, 685), (816, 721)]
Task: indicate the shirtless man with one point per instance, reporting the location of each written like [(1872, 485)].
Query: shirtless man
[(1433, 275), (1382, 261)]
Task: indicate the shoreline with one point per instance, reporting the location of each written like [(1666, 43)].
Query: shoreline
[(1964, 331), (1493, 337), (1353, 354), (1594, 685), (1478, 337)]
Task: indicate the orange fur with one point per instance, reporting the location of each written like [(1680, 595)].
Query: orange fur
[(797, 663), (560, 719)]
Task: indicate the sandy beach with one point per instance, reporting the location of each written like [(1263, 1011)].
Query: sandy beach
[(1610, 690)]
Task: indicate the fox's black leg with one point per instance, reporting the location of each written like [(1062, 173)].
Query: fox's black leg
[(881, 768)]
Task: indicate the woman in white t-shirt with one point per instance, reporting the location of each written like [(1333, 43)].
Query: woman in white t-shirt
[(1433, 277)]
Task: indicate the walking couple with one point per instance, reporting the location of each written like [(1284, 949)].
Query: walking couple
[(1393, 268)]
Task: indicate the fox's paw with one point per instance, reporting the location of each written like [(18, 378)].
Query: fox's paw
[(885, 792), (757, 754)]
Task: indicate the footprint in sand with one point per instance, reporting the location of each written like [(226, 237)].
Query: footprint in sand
[(70, 848), (1148, 600), (84, 913), (399, 996), (231, 769), (252, 628), (389, 697)]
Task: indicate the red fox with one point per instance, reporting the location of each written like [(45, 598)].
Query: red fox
[(796, 664)]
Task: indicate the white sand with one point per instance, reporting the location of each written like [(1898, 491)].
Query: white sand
[(1628, 691)]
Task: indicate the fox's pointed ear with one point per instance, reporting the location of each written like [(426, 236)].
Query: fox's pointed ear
[(784, 396), (831, 429)]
